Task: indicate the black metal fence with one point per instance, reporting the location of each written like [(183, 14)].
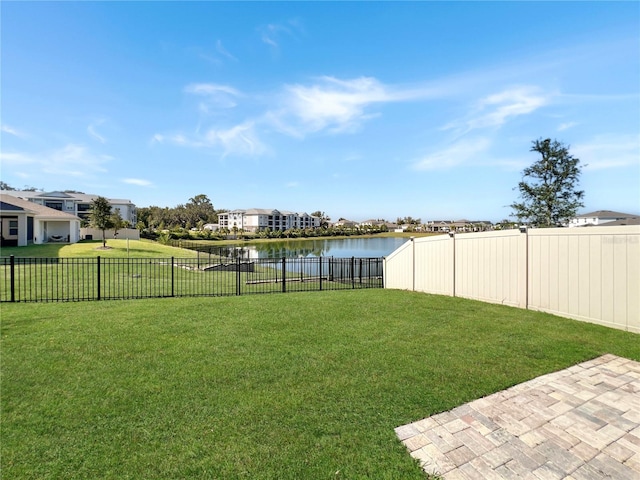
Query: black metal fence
[(81, 279)]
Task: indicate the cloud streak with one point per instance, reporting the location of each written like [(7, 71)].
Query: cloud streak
[(215, 97), (458, 153), (91, 130), (224, 52), (608, 151), (11, 131), (72, 160), (137, 181), (335, 105), (272, 33), (566, 126), (239, 140), (496, 109)]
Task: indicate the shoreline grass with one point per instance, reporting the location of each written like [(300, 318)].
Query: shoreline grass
[(306, 385)]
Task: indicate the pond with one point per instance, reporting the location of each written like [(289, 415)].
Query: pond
[(325, 247)]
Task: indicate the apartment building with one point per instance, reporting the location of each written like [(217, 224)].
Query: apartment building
[(78, 204), (256, 219)]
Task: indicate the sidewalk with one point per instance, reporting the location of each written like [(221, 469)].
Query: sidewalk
[(581, 423)]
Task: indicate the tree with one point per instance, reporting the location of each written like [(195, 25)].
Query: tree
[(5, 186), (548, 187), (408, 221), (100, 216), (117, 222), (200, 208), (324, 218)]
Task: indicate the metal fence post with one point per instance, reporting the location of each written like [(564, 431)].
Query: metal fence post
[(99, 286), (238, 276), (353, 280), (172, 276), (12, 271), (284, 275), (320, 272)]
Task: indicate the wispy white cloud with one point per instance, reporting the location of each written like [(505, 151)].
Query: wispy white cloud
[(71, 160), (334, 104), (608, 151), (460, 152), (210, 89), (272, 33), (566, 126), (329, 104), (292, 184), (238, 140), (269, 34), (76, 160), (496, 109), (14, 158), (214, 96), (11, 131), (157, 138), (91, 129), (224, 52), (137, 181)]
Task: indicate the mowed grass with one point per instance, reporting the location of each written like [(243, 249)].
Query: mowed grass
[(298, 386), (93, 248)]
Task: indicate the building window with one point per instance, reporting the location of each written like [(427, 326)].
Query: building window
[(13, 227), (54, 205)]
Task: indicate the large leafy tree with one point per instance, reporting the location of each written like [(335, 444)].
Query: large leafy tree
[(408, 221), (117, 222), (100, 216), (324, 218), (548, 190), (200, 209)]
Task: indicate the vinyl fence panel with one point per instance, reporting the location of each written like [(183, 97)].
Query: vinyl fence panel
[(590, 274)]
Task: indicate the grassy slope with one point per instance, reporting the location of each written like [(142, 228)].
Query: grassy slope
[(116, 249), (307, 385)]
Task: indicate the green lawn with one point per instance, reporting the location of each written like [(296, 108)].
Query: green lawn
[(299, 386), (93, 248)]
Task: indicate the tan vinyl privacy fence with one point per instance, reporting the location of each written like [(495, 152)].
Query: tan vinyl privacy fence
[(589, 274)]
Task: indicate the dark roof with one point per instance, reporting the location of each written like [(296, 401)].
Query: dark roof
[(9, 206), (606, 214), (625, 221), (20, 204)]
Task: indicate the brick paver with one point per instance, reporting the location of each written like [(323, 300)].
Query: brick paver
[(579, 423)]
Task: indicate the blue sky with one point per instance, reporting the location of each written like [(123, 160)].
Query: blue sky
[(362, 110)]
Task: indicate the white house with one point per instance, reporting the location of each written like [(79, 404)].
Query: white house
[(599, 217), (343, 222), (256, 219), (23, 223), (78, 204)]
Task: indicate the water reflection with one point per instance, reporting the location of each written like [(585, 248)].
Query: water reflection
[(348, 247)]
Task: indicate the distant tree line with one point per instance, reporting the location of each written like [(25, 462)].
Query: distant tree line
[(196, 213)]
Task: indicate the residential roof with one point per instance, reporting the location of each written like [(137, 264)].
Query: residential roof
[(635, 220), (267, 211), (9, 207), (80, 197), (606, 214), (40, 210)]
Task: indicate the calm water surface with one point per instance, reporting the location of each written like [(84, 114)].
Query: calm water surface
[(347, 247)]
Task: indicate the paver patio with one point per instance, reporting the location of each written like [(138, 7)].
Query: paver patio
[(581, 423)]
